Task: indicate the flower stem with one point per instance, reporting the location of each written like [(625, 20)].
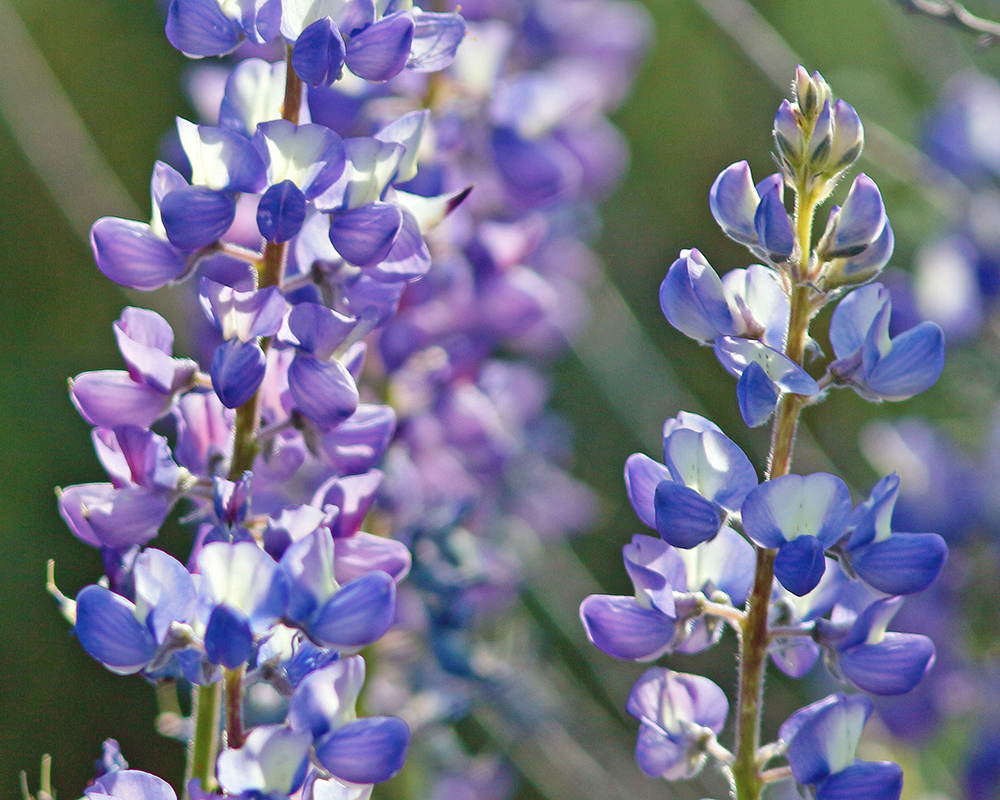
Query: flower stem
[(748, 778), (234, 708), (204, 746), (206, 711)]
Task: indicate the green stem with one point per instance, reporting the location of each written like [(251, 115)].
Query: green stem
[(206, 711), (747, 775), (205, 745)]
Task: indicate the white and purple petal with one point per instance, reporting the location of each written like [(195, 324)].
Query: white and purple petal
[(323, 390)]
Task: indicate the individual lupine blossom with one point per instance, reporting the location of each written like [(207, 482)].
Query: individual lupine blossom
[(789, 562)]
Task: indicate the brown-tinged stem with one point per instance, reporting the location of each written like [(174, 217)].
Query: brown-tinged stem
[(234, 708)]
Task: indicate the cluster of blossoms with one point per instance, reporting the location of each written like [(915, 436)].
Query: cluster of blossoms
[(790, 563), (273, 449), (302, 213)]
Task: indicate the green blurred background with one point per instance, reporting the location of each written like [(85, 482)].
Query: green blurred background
[(701, 102)]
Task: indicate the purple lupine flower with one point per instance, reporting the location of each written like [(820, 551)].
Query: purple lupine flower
[(876, 366), (821, 740), (894, 563), (147, 391), (361, 751), (876, 661), (129, 637), (676, 713), (705, 475), (129, 784), (800, 516)]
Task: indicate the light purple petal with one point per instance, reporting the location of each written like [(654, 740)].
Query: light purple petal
[(436, 37), (358, 614), (368, 750), (380, 51), (693, 300), (362, 553), (107, 398), (319, 53), (893, 666), (642, 476), (200, 28), (364, 235), (323, 390), (733, 201), (237, 371), (130, 254), (622, 628), (196, 216)]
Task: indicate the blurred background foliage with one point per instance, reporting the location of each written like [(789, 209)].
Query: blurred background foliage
[(702, 101)]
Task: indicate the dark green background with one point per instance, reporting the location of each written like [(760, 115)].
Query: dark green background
[(699, 105)]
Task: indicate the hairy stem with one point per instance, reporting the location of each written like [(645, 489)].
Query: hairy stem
[(205, 746), (748, 778)]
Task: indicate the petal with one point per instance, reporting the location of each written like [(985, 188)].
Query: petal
[(228, 638), (773, 226), (358, 443), (325, 699), (693, 300), (323, 390), (131, 784), (108, 630), (408, 258), (281, 212), (800, 564), (237, 371), (200, 28), (221, 159), (363, 236), (436, 37), (108, 398), (734, 201), (310, 156), (369, 750), (130, 254), (902, 564), (271, 760), (854, 316), (736, 354), (757, 395), (683, 517), (859, 222), (642, 476), (358, 614), (710, 463), (893, 666), (319, 53), (316, 329), (363, 552), (864, 780), (622, 628), (380, 51), (790, 506), (823, 736), (912, 365), (196, 216)]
